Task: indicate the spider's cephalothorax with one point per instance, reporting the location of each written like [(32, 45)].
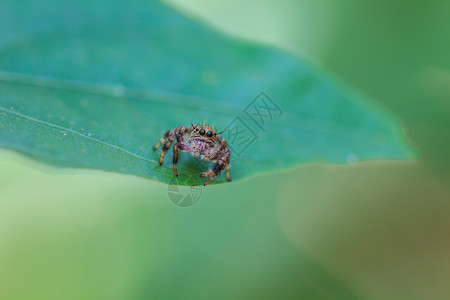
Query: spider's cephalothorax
[(202, 141)]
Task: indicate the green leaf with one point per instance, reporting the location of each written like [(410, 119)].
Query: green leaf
[(95, 84)]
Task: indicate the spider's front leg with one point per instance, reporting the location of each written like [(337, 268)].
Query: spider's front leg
[(182, 147), (222, 163), (170, 136), (161, 140)]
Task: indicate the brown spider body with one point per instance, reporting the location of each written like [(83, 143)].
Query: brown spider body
[(201, 140)]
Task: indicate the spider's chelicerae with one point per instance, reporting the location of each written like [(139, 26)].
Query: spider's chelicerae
[(201, 140)]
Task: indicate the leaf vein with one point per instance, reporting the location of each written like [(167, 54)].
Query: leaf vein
[(74, 132)]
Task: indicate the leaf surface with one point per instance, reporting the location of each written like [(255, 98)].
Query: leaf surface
[(95, 84)]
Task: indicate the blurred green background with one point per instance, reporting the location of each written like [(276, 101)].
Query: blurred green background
[(373, 230)]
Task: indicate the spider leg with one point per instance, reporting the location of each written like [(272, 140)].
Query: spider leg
[(207, 174), (182, 147), (165, 148), (228, 171), (170, 136), (218, 167), (222, 158), (161, 140)]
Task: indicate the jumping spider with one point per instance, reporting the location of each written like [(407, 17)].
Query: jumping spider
[(200, 140)]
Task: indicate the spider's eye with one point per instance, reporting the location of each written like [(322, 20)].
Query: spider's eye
[(209, 134), (202, 131)]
